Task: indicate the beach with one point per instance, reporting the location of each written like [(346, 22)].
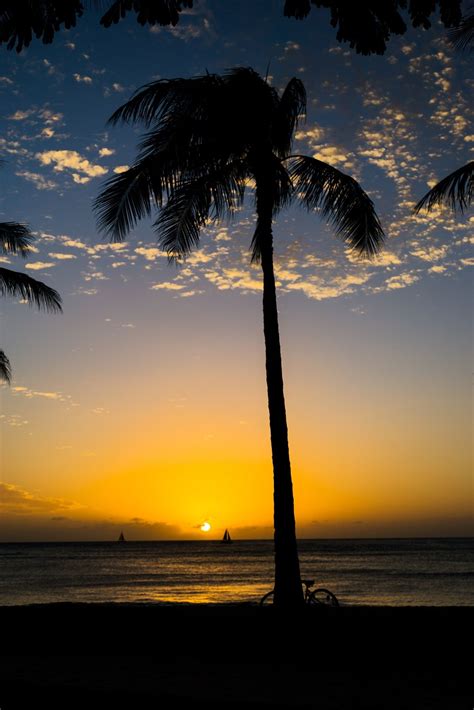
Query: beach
[(241, 655)]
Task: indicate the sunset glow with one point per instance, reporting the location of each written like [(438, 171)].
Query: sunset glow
[(143, 407)]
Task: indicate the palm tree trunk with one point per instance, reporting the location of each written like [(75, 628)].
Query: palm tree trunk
[(288, 591)]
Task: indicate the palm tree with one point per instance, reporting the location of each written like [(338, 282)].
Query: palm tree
[(454, 191), (462, 36), (207, 137), (16, 239)]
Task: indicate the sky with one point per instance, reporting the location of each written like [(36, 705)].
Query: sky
[(143, 406)]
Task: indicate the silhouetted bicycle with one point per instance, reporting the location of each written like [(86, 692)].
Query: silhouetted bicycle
[(319, 596)]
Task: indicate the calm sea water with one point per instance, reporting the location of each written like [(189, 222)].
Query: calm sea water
[(435, 572)]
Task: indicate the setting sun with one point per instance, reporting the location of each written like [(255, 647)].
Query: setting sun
[(205, 527)]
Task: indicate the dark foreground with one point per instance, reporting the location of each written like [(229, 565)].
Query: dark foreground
[(132, 656)]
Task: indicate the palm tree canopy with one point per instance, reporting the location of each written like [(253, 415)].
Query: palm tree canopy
[(15, 238), (207, 138), (5, 368), (14, 283), (366, 24), (454, 191), (462, 36)]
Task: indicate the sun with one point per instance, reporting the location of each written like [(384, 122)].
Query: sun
[(205, 527)]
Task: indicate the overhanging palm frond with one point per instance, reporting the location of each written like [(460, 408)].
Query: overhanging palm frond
[(340, 198), (15, 238), (5, 368), (291, 107), (455, 190), (462, 36), (13, 283), (21, 19), (161, 12)]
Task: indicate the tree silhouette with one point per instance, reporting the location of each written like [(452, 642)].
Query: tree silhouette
[(16, 239), (207, 137), (462, 35), (455, 190), (366, 24)]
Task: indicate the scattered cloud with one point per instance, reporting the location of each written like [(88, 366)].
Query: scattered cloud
[(17, 500), (82, 79), (39, 265), (38, 180), (20, 115), (103, 152), (21, 390), (61, 256), (167, 286), (83, 169)]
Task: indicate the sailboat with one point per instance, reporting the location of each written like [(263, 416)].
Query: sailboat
[(121, 538), (226, 539)]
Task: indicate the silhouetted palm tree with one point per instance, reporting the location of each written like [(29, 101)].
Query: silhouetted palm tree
[(455, 190), (207, 138), (462, 36), (16, 239)]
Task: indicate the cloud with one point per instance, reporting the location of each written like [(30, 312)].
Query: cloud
[(39, 181), (21, 390), (20, 115), (71, 159), (401, 281), (15, 420), (61, 257), (16, 500), (121, 169), (106, 151), (150, 253), (82, 79), (38, 265), (167, 286), (431, 253)]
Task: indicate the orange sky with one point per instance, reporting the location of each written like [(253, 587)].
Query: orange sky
[(143, 406)]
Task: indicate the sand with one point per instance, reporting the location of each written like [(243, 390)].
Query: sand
[(234, 656)]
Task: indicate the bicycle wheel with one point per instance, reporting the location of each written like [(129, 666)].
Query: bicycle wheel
[(267, 599), (324, 597)]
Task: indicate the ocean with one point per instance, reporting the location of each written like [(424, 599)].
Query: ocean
[(404, 572)]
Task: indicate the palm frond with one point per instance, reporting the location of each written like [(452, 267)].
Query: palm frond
[(462, 36), (14, 283), (192, 203), (291, 107), (341, 199), (15, 238), (20, 20), (159, 98), (181, 220), (128, 197), (455, 190), (5, 368)]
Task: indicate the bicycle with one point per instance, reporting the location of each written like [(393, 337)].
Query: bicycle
[(318, 596)]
